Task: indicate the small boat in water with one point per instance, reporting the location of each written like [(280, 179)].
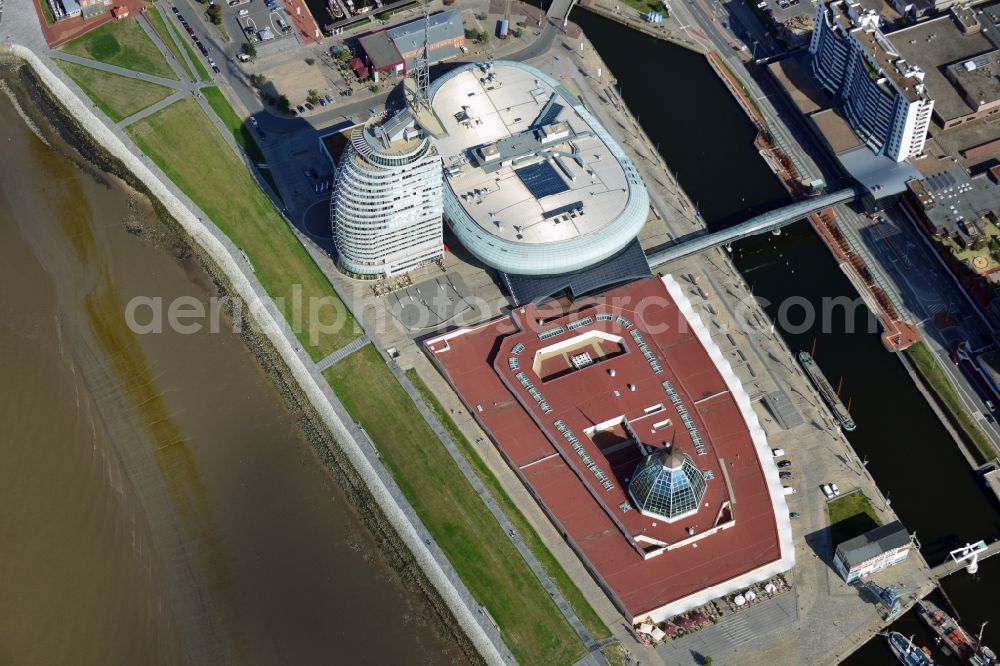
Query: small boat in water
[(826, 391), (907, 652), (969, 649)]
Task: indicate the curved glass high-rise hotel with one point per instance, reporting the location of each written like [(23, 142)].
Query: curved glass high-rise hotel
[(386, 206)]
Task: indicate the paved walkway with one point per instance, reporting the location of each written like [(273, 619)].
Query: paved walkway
[(153, 108), (343, 352), (21, 30)]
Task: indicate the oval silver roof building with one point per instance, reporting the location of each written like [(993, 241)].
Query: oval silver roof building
[(534, 185)]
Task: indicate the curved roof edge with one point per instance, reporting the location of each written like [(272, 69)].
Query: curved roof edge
[(560, 257), (783, 523)]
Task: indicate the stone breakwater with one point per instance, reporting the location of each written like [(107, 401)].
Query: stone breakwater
[(324, 420)]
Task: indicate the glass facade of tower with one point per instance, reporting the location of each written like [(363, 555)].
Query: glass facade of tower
[(386, 207), (667, 486)]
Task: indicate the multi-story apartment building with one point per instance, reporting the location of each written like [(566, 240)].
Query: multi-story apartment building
[(386, 206), (885, 99)]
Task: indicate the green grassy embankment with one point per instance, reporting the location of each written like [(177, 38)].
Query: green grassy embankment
[(241, 133), (541, 552), (485, 559), (186, 146), (117, 96), (166, 34), (124, 44), (927, 366)]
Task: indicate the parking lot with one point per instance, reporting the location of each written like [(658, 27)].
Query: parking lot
[(783, 10), (261, 20)]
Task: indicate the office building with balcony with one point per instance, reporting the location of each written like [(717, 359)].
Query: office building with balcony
[(885, 99), (386, 205)]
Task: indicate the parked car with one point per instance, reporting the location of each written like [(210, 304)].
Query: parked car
[(794, 514), (784, 463), (176, 11), (215, 68), (784, 474), (762, 4), (252, 121), (310, 106), (301, 109), (244, 12), (788, 490), (769, 12), (834, 488), (827, 490), (293, 112), (989, 418), (201, 47), (777, 452), (329, 99), (322, 102), (989, 405)]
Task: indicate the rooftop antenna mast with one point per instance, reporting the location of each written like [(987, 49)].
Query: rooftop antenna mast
[(416, 89), (421, 65)]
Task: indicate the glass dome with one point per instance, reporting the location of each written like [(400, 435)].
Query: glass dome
[(667, 485)]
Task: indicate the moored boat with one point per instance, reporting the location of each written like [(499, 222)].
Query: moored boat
[(907, 652), (826, 391), (966, 647)]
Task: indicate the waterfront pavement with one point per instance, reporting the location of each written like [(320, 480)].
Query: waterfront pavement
[(20, 36)]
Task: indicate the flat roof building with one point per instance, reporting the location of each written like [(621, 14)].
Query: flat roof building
[(394, 49), (872, 551), (627, 423), (534, 185), (446, 36)]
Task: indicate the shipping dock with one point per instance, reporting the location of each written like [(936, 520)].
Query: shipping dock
[(826, 391)]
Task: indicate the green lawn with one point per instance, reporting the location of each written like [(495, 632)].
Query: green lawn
[(555, 571), (166, 33), (489, 565), (851, 515), (122, 43), (195, 58), (187, 147), (118, 96), (241, 133), (934, 376)]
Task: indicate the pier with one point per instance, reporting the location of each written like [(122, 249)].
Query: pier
[(951, 566)]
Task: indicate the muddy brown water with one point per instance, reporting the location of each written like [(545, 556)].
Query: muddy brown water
[(159, 503)]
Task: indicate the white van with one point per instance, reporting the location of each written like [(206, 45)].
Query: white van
[(789, 490), (834, 488), (777, 452), (827, 490)]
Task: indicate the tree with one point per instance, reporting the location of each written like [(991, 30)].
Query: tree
[(484, 36), (313, 97), (517, 32), (482, 16), (343, 55), (258, 80), (214, 14), (310, 61), (250, 49), (283, 104)]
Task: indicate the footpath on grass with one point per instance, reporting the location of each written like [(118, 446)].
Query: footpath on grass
[(179, 139)]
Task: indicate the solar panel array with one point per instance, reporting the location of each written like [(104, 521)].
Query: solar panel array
[(675, 398), (532, 391), (640, 341), (573, 325), (542, 180), (551, 332), (584, 456)]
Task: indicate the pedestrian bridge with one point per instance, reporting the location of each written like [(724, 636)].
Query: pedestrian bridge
[(769, 221)]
